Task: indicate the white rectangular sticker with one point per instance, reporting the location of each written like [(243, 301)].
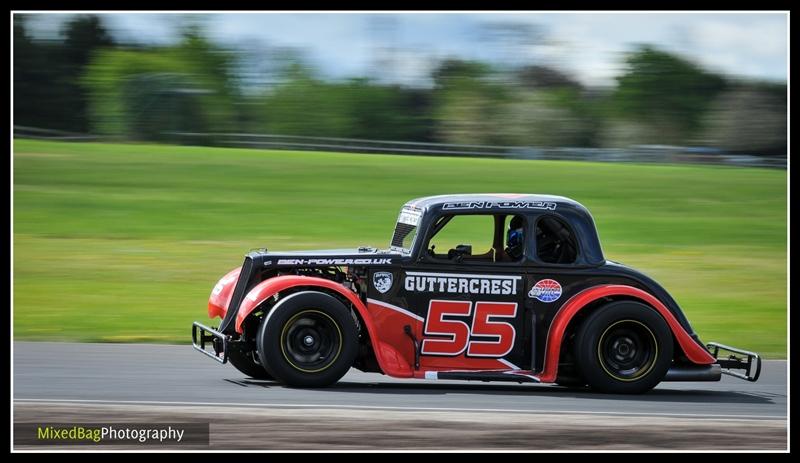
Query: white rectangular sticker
[(409, 217), (452, 283)]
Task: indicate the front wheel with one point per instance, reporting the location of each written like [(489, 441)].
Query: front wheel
[(309, 339), (245, 363), (624, 347)]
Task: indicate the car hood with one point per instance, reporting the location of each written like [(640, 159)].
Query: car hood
[(327, 257)]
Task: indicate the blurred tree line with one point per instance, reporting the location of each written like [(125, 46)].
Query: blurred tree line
[(88, 83)]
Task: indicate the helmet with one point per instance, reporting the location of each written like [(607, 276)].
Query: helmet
[(515, 236)]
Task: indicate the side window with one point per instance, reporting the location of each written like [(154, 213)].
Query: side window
[(555, 241), (463, 238)]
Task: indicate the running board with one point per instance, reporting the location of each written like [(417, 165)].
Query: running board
[(711, 372), (513, 376)]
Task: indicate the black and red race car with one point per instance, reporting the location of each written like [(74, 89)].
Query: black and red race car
[(538, 303)]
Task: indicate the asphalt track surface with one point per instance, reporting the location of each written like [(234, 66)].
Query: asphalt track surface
[(55, 379)]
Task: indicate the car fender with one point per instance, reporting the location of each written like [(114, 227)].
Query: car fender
[(555, 335), (221, 295), (389, 359)]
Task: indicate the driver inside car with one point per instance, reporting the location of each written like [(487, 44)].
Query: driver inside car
[(515, 238)]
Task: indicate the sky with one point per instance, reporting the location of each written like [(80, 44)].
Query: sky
[(404, 47)]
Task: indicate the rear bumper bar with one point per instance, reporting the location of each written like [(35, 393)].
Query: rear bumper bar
[(737, 359), (202, 334)]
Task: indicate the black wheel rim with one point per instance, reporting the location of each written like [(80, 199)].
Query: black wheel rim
[(311, 341), (627, 350)]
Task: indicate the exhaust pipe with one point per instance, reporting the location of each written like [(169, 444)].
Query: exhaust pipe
[(711, 372)]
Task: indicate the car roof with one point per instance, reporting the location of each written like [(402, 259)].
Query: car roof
[(488, 201)]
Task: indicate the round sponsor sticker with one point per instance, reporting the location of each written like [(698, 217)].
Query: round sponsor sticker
[(546, 290)]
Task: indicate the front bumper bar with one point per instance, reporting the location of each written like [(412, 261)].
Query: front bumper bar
[(738, 359), (202, 334)]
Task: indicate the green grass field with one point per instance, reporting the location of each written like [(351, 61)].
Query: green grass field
[(123, 242)]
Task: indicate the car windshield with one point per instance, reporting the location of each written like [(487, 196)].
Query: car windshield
[(406, 230)]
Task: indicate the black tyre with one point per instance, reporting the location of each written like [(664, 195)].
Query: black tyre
[(623, 347), (308, 340), (245, 362), (568, 375), (571, 382)]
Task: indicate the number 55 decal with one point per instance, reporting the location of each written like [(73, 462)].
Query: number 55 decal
[(453, 337)]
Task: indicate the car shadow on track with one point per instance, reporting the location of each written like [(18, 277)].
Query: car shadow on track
[(660, 394)]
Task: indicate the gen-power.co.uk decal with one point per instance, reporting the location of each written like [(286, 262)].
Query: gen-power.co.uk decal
[(546, 290)]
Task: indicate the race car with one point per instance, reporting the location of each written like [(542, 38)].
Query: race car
[(537, 302)]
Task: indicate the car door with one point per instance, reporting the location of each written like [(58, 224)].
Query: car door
[(469, 306)]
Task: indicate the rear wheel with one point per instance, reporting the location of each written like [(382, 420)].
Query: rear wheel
[(308, 340), (245, 362), (623, 347)]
